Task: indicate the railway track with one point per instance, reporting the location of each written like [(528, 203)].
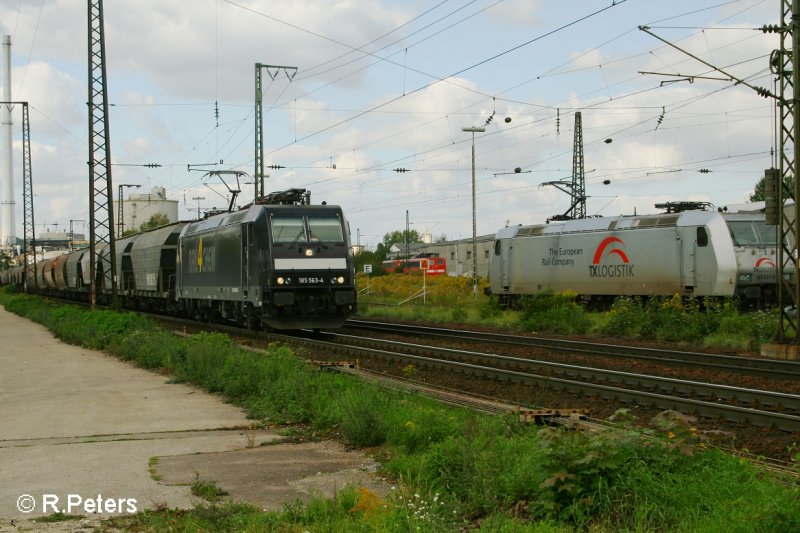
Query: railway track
[(735, 404), (766, 368)]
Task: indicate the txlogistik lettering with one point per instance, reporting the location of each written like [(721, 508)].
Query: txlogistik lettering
[(610, 271)]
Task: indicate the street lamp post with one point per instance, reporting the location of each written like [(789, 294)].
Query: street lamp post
[(121, 222), (474, 221), (72, 234), (198, 198)]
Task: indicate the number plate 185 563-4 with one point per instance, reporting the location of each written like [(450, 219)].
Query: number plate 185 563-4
[(310, 281)]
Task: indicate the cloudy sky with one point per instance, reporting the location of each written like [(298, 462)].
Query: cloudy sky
[(389, 84)]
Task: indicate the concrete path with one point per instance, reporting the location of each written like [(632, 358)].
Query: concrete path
[(79, 430)]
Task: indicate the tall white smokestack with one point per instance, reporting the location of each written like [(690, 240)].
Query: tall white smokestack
[(8, 229)]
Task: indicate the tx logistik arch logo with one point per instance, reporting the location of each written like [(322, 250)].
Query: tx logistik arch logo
[(765, 264), (607, 248)]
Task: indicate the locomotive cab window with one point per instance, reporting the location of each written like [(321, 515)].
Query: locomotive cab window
[(743, 233), (288, 229), (496, 247), (320, 228), (767, 233), (325, 228), (702, 237)]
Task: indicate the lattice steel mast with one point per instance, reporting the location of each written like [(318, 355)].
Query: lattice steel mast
[(28, 232), (785, 64), (578, 209), (258, 174), (576, 187), (780, 185), (101, 202)]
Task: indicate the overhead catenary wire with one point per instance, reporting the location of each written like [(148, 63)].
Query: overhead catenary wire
[(617, 98), (240, 136)]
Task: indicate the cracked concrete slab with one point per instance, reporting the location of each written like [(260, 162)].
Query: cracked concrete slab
[(78, 429), (273, 475)]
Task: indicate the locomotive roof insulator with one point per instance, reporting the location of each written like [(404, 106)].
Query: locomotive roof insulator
[(679, 207), (287, 197)]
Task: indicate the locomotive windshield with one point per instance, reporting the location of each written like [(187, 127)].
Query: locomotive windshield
[(288, 229), (752, 233), (767, 233), (325, 228), (293, 228)]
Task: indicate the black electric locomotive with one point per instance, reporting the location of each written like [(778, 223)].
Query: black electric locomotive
[(280, 263), (284, 263)]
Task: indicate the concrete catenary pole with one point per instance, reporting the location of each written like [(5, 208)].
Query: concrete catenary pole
[(8, 231)]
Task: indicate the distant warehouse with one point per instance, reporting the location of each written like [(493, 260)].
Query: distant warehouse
[(458, 254), (137, 209)]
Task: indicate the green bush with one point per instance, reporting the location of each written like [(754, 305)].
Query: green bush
[(94, 329), (458, 314), (364, 421), (284, 387), (150, 349), (625, 318), (749, 329), (489, 309), (421, 426), (674, 320), (554, 313)]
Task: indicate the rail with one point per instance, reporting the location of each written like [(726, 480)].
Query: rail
[(770, 368)]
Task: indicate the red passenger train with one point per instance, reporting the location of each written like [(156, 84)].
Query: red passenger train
[(433, 266)]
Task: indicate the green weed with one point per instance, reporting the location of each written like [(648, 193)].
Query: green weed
[(458, 469), (58, 517), (208, 490)]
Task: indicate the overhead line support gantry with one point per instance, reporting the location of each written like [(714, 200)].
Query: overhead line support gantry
[(272, 72), (101, 203)]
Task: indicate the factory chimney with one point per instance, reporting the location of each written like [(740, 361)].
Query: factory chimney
[(7, 229)]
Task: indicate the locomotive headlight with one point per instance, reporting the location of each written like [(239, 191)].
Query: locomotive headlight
[(280, 280), (745, 277), (309, 252), (340, 280)]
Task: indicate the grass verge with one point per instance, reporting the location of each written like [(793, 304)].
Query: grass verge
[(715, 324), (453, 468)]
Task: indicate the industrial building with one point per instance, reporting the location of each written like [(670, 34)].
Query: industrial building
[(137, 209), (458, 254)]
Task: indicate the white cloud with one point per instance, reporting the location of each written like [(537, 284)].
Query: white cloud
[(517, 12), (169, 62)]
